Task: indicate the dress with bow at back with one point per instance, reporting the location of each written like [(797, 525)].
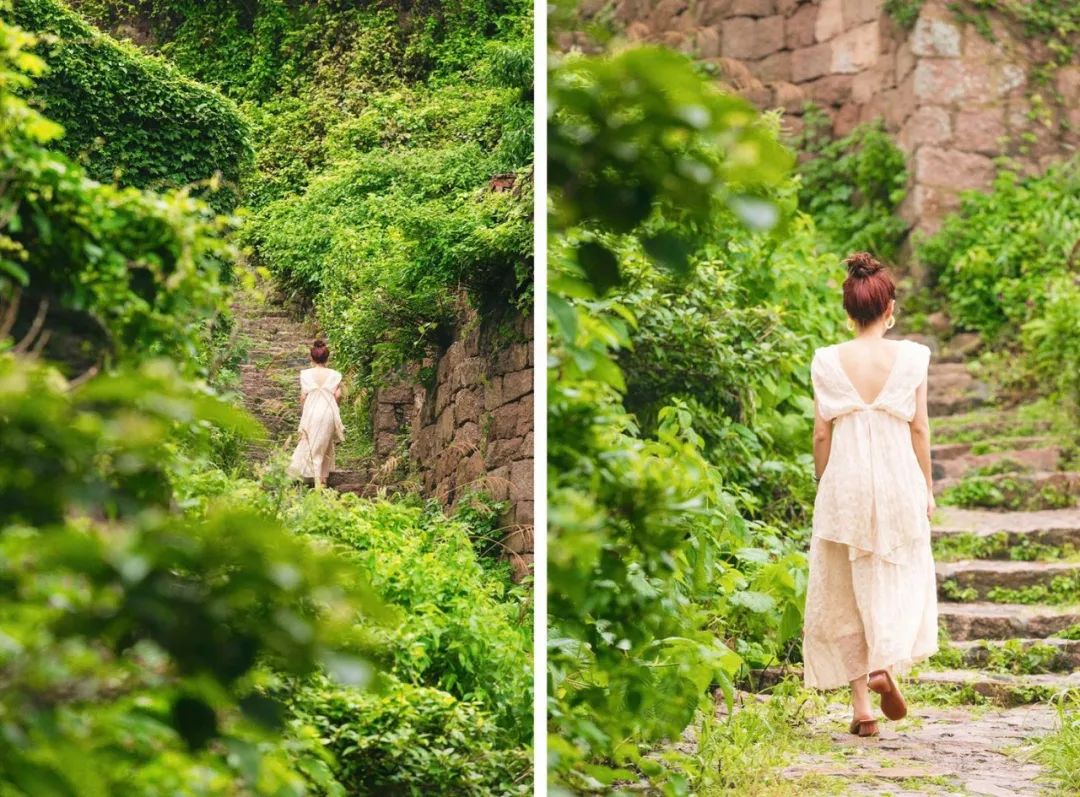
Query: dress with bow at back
[(320, 425), (871, 601)]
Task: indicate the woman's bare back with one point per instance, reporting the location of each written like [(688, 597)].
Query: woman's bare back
[(867, 363)]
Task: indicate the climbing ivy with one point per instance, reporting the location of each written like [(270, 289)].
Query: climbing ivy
[(127, 116), (1054, 24), (378, 131)]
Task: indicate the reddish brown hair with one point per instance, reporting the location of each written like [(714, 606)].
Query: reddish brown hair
[(868, 288), (319, 352)]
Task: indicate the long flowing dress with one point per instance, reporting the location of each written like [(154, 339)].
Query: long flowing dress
[(320, 425), (871, 601)]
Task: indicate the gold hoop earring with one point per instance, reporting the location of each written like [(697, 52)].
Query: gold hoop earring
[(851, 325), (890, 323)]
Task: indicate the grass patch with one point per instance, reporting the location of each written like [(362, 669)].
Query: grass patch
[(1000, 545), (1059, 591), (746, 753), (1059, 751), (1012, 656), (1012, 493)]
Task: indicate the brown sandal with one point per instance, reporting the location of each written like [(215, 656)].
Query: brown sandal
[(892, 702), (864, 727)]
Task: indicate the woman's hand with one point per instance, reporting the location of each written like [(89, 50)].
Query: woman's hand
[(931, 504)]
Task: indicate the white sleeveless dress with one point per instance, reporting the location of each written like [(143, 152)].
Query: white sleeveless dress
[(871, 601), (320, 425)]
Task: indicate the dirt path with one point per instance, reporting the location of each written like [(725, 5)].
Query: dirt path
[(980, 704)]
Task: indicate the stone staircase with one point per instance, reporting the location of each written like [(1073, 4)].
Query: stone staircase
[(275, 342)]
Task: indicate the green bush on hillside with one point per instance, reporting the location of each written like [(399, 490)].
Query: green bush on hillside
[(377, 133), (129, 115), (411, 740), (994, 259), (852, 186), (677, 430)]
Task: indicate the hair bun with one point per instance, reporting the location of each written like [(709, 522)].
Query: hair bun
[(862, 265)]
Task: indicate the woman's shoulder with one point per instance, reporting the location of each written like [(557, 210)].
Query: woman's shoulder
[(824, 351), (919, 350)]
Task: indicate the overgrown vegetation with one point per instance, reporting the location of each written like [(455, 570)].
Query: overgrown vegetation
[(679, 408), (127, 116), (1059, 751), (853, 185), (172, 627), (1006, 264), (379, 131)]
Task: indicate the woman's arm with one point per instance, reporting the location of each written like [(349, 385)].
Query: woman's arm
[(822, 441), (920, 441)]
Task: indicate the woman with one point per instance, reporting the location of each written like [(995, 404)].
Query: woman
[(871, 604), (320, 420)]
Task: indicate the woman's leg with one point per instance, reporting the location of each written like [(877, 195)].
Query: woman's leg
[(861, 706)]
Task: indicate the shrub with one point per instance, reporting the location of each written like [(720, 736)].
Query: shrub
[(460, 627), (129, 115), (852, 186), (995, 258), (411, 740), (667, 320)]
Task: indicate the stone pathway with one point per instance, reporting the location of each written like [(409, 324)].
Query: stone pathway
[(934, 751), (975, 749), (275, 343)]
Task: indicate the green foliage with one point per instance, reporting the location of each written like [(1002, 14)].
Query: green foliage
[(1054, 23), (137, 636), (1072, 632), (127, 115), (666, 572), (997, 546), (1012, 493), (378, 131), (1060, 590), (905, 12), (852, 186), (1059, 751), (461, 628), (995, 259), (1052, 341), (171, 629), (137, 273), (408, 740), (1018, 657), (386, 241)]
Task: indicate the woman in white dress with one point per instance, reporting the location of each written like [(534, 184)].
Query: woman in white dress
[(320, 419), (871, 604)]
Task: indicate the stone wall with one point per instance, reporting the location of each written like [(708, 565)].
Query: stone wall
[(952, 99), (472, 427)]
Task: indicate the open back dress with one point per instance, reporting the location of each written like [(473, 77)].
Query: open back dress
[(871, 601), (320, 425)]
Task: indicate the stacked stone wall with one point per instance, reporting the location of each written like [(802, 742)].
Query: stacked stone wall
[(952, 99), (471, 429)]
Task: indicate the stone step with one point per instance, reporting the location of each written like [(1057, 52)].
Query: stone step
[(1004, 689), (987, 425), (1022, 459), (942, 452), (1066, 656), (1055, 527), (1024, 486), (953, 390), (985, 574), (969, 621)]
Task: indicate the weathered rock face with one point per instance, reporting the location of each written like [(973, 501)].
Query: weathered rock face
[(952, 99), (472, 429)]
